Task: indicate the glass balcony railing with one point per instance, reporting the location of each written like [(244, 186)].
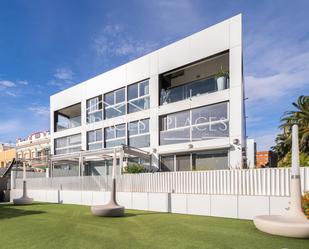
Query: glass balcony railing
[(191, 89)]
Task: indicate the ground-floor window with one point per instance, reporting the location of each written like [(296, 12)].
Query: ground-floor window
[(204, 160)]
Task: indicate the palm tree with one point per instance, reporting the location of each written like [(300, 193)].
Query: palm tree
[(300, 116)]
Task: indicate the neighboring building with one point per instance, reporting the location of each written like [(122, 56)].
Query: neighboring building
[(7, 153), (266, 159), (251, 153), (35, 149), (168, 102)]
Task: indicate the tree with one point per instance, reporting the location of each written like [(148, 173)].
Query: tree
[(300, 116)]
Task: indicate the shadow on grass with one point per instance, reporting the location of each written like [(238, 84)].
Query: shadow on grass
[(7, 211)]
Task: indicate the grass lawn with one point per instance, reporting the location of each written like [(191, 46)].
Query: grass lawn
[(70, 226)]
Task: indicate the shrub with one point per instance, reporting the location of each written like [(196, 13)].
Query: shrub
[(305, 203), (134, 168)]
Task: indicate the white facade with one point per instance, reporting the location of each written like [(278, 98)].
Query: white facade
[(251, 153), (217, 46)]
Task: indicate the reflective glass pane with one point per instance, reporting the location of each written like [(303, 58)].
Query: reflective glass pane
[(75, 139), (133, 128), (175, 136), (210, 160), (167, 163), (109, 133), (115, 111), (179, 119), (109, 98), (99, 136), (132, 91), (183, 162), (95, 146), (140, 141), (120, 95), (139, 105), (210, 131), (113, 143), (94, 117), (143, 126), (144, 88), (209, 113), (120, 130), (91, 136)]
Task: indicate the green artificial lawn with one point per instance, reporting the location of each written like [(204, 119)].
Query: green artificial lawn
[(70, 226)]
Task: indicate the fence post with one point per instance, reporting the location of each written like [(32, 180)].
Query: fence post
[(13, 179)]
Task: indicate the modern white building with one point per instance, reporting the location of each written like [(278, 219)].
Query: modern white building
[(183, 103)]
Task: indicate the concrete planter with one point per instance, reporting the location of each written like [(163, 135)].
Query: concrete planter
[(222, 82)]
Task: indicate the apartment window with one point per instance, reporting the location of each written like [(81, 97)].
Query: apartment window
[(67, 118), (68, 144), (210, 122), (201, 123), (204, 160), (114, 103), (175, 128), (95, 139), (138, 132), (195, 79), (115, 135), (138, 96), (167, 163), (210, 160), (94, 109)]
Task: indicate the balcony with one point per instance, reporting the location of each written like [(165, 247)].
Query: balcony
[(67, 118), (207, 76)]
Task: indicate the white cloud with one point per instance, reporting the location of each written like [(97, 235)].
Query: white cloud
[(114, 41), (23, 82), (39, 110), (7, 84), (64, 74), (63, 78)]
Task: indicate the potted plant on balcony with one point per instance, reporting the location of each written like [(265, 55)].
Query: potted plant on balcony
[(222, 78)]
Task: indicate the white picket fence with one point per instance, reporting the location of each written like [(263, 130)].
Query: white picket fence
[(256, 182)]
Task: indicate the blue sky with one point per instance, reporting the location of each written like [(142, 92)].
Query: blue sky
[(47, 46)]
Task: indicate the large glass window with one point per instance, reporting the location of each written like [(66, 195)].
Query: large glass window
[(175, 128), (67, 118), (167, 163), (210, 160), (138, 132), (94, 109), (138, 96), (183, 162), (114, 103), (95, 139), (202, 123), (195, 79), (115, 135), (68, 144), (204, 160)]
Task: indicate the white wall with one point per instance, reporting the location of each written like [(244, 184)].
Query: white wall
[(229, 206), (251, 153)]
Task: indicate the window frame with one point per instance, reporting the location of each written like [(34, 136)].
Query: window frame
[(139, 96), (192, 126), (139, 134), (114, 105)]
